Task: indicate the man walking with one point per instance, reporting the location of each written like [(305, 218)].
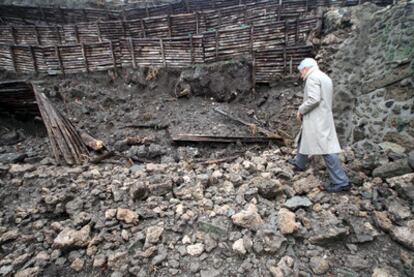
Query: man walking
[(318, 134)]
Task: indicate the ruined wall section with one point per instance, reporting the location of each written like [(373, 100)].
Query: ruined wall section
[(369, 53)]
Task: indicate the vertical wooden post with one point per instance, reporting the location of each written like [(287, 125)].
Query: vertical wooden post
[(203, 48), (169, 25), (32, 53), (286, 33), (42, 12), (76, 33), (146, 9), (279, 11), (57, 52), (217, 44), (291, 65), (13, 34), (186, 6), (197, 22), (297, 31), (37, 35), (219, 18), (171, 9), (99, 31), (144, 34), (58, 34), (245, 15), (162, 52), (123, 28), (254, 70), (11, 49), (123, 14), (251, 40), (85, 15), (111, 46), (62, 14), (191, 49), (284, 60), (85, 59), (306, 6), (132, 51)]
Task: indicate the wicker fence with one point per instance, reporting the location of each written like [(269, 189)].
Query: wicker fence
[(272, 34), (277, 39), (162, 26), (18, 14)]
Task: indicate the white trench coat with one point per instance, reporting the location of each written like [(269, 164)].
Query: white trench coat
[(318, 134)]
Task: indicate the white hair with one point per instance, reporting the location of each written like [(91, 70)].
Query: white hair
[(308, 62)]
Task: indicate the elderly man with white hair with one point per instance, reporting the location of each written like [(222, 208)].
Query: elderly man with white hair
[(318, 134)]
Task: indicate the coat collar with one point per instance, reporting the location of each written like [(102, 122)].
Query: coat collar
[(313, 69)]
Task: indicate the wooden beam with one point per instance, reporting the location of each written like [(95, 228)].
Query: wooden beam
[(220, 139)]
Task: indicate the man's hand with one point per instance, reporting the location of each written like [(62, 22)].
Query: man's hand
[(299, 116)]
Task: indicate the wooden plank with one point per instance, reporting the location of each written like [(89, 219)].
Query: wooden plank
[(182, 138)]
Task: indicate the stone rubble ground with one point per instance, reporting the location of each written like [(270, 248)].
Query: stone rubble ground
[(207, 222)]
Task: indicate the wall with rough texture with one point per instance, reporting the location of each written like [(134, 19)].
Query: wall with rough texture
[(369, 51)]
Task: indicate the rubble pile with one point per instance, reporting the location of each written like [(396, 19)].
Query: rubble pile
[(253, 216)]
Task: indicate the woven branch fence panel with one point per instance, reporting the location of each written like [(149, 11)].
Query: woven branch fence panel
[(30, 15), (163, 26)]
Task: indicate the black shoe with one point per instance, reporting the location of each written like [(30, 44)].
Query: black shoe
[(295, 167), (336, 188)]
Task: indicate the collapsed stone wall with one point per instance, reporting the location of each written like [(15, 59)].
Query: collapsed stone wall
[(369, 53)]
